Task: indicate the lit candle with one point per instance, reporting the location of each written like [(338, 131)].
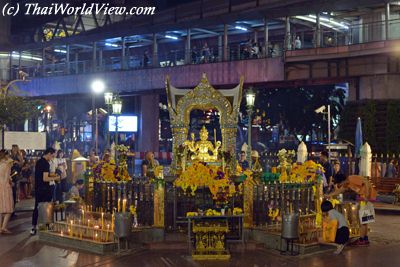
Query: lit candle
[(112, 222), (83, 215), (108, 229), (124, 205), (102, 220), (96, 228), (119, 205), (62, 233), (72, 229), (88, 222)]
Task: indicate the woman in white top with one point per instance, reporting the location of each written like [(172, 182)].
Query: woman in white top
[(6, 196)]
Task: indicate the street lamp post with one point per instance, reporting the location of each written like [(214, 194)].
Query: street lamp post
[(117, 107), (328, 113), (97, 88), (47, 111), (250, 98), (108, 99)]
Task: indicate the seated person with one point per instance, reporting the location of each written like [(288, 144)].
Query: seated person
[(342, 232), (149, 164), (75, 189)]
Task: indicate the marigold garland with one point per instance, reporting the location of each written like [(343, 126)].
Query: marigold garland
[(201, 175)]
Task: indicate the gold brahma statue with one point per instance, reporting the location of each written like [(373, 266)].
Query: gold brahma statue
[(202, 149)]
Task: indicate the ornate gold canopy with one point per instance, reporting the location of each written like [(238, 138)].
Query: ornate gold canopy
[(182, 101)]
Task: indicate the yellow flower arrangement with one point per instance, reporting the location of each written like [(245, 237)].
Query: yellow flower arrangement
[(159, 172), (107, 172), (191, 214), (211, 212), (305, 172), (132, 209), (239, 170), (237, 211), (200, 175)]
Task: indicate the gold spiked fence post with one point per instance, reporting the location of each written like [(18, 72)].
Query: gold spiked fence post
[(158, 199)]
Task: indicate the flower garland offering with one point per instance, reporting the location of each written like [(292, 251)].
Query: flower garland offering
[(306, 172), (108, 171), (237, 211), (192, 214), (211, 212), (201, 175)]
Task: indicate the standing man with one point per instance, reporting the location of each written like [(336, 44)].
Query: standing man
[(43, 190), (324, 160)]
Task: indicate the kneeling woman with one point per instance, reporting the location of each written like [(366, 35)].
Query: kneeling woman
[(342, 232)]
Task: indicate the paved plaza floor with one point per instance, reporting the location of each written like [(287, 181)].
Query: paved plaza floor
[(20, 250)]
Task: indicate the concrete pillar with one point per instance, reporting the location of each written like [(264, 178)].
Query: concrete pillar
[(302, 153), (255, 36), (123, 54), (220, 48), (387, 19), (366, 160), (318, 31), (67, 59), (19, 60), (76, 63), (94, 57), (5, 26), (225, 42), (155, 51), (188, 48), (149, 125), (100, 59), (288, 41), (43, 61), (10, 66), (266, 37)]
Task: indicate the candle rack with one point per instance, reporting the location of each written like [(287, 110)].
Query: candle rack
[(97, 227)]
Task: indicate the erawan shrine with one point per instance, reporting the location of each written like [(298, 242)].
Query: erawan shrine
[(204, 199), (201, 133)]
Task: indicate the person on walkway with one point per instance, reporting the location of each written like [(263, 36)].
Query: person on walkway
[(365, 191), (76, 189), (297, 43), (244, 164), (324, 160), (26, 174), (149, 164), (6, 194), (342, 232), (338, 176), (61, 170), (16, 168), (43, 177)]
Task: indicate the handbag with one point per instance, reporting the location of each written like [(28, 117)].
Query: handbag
[(367, 213)]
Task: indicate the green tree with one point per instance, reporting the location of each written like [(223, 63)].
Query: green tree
[(393, 127), (369, 120), (295, 108), (16, 109)]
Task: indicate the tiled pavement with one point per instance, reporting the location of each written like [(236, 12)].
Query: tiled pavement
[(19, 249)]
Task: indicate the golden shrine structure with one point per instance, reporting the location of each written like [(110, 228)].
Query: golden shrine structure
[(205, 192), (204, 97)]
